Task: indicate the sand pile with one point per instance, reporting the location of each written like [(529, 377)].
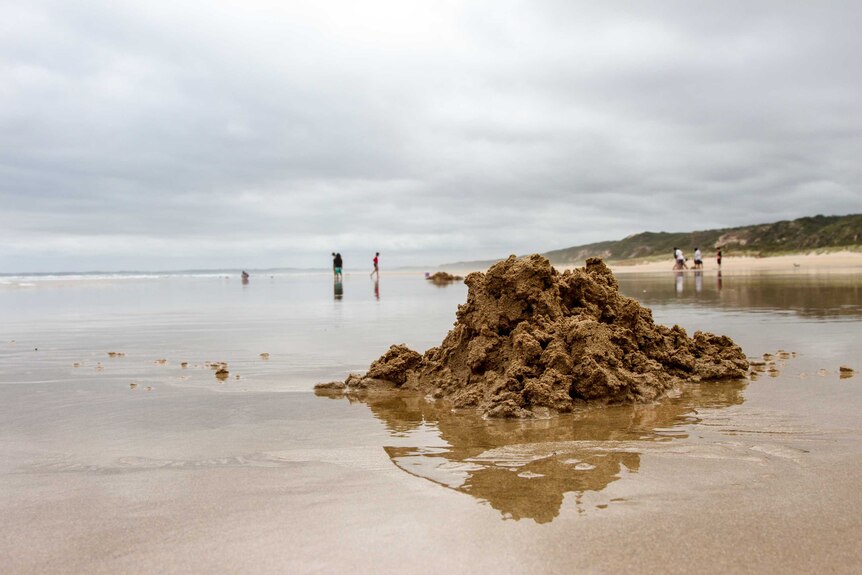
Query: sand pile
[(532, 340)]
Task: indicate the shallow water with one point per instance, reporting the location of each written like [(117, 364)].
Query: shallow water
[(130, 463)]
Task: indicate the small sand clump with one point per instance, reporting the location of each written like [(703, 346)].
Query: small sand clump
[(533, 340), (395, 365), (443, 278)]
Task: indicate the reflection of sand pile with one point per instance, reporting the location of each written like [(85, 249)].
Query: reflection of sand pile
[(531, 338), (525, 468), (443, 278)]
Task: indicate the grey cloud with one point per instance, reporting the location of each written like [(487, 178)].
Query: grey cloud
[(275, 132)]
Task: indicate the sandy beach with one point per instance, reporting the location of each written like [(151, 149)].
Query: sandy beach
[(186, 473), (827, 262), (832, 262), (258, 312)]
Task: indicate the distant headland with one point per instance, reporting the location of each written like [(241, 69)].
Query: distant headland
[(801, 236)]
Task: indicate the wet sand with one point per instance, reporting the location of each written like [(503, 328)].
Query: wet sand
[(257, 475), (734, 489)]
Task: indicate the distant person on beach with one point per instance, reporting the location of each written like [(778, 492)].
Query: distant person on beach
[(333, 265), (376, 270), (244, 277), (718, 258), (698, 259), (680, 259), (337, 264)]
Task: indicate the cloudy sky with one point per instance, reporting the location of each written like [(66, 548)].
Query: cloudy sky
[(211, 133)]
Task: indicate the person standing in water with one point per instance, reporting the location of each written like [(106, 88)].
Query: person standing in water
[(376, 270), (337, 264), (718, 258), (679, 259), (698, 259)]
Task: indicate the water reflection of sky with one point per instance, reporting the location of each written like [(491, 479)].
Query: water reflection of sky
[(819, 296), (815, 314)]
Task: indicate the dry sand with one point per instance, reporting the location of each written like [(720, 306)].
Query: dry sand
[(829, 262), (835, 262)]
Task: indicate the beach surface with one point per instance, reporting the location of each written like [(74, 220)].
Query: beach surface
[(833, 262), (185, 472), (826, 262)]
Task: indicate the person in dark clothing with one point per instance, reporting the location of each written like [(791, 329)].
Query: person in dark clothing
[(337, 264)]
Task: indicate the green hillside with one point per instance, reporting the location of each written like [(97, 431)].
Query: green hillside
[(789, 236), (794, 236)]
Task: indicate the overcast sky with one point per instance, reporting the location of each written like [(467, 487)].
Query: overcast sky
[(207, 134)]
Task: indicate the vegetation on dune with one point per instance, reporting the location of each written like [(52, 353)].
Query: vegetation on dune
[(788, 236), (810, 234)]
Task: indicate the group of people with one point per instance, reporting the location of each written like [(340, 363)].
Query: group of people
[(338, 265), (680, 259)]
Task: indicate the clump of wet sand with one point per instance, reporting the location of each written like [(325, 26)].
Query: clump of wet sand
[(531, 340), (442, 278), (771, 364)]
